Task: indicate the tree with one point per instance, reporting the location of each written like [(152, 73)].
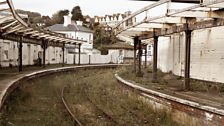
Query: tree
[(47, 20), (77, 14), (33, 17), (58, 18)]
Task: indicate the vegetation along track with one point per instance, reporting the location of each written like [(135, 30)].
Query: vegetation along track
[(93, 96), (66, 105)]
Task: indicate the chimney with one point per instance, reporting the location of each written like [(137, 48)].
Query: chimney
[(67, 20), (79, 22)]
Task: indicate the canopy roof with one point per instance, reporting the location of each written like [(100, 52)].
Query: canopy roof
[(12, 26), (165, 17)]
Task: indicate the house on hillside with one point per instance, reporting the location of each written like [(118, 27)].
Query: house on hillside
[(112, 20), (75, 30)]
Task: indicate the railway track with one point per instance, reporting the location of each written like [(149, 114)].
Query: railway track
[(66, 105), (109, 117), (77, 121)]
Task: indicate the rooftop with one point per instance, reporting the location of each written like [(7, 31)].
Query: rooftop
[(71, 27)]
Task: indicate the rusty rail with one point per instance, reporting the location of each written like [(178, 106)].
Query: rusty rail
[(66, 105)]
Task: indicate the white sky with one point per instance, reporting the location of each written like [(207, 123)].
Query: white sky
[(90, 7)]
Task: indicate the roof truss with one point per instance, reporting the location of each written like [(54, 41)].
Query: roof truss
[(13, 25), (208, 10)]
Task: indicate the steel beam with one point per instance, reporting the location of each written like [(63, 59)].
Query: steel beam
[(9, 25), (155, 54), (143, 10), (182, 28), (15, 15), (187, 60)]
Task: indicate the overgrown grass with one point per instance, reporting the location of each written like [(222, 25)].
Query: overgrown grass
[(91, 94), (37, 103), (122, 105), (168, 80)]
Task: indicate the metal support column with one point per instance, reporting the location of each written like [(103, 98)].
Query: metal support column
[(139, 73), (136, 39), (63, 53), (146, 56), (44, 47), (187, 60), (155, 54), (20, 59), (79, 54)]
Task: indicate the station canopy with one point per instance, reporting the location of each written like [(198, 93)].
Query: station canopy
[(165, 17), (13, 27)]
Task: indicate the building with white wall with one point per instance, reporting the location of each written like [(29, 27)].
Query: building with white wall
[(207, 54), (75, 31), (31, 52), (112, 20)]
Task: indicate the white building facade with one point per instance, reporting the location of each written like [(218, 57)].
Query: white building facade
[(112, 20), (30, 53), (75, 31)]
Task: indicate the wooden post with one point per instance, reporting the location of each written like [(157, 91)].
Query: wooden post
[(187, 60), (155, 54), (136, 39), (20, 59), (79, 54)]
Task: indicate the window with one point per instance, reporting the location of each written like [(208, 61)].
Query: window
[(150, 47)]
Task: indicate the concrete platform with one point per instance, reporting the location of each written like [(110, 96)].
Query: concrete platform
[(189, 112), (8, 85)]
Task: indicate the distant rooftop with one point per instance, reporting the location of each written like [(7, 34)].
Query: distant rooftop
[(71, 27)]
